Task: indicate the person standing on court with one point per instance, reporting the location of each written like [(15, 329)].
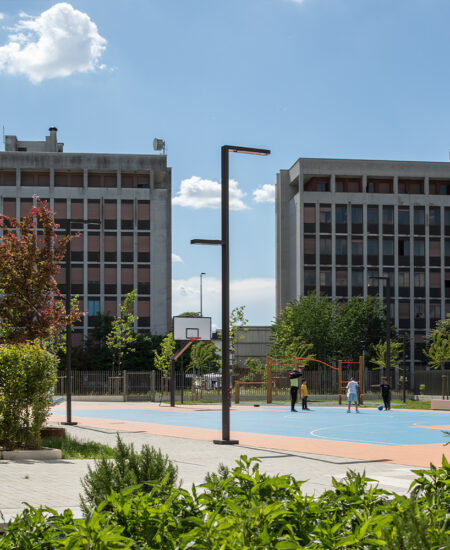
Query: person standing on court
[(386, 393), (352, 393), (294, 376), (304, 395)]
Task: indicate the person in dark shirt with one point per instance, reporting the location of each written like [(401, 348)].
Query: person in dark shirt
[(385, 392), (294, 377)]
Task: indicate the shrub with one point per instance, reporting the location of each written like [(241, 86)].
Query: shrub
[(127, 467), (246, 509), (27, 380)]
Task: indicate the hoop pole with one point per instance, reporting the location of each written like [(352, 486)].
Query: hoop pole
[(361, 380), (237, 392), (340, 382), (269, 379), (172, 369)]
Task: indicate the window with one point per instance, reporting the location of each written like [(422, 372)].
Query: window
[(403, 216), (372, 215), (435, 279), (325, 278), (403, 310), (372, 278), (419, 247), (325, 214), (435, 310), (309, 212), (403, 279), (390, 276), (93, 275), (309, 245), (388, 215), (110, 210), (419, 216), (341, 214), (447, 248), (419, 279), (93, 307), (435, 216), (419, 310), (357, 278), (322, 186), (403, 247), (357, 214), (310, 277), (93, 209), (357, 247), (447, 217), (341, 277), (341, 246), (435, 248), (388, 247), (325, 245), (372, 247), (110, 275)]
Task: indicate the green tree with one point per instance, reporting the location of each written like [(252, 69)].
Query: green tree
[(238, 326), (121, 338), (379, 355), (162, 359), (439, 351), (256, 371), (204, 354)]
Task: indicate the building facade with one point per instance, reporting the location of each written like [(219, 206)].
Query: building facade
[(339, 223), (128, 244)]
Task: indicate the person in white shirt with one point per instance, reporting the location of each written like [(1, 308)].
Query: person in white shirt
[(352, 394)]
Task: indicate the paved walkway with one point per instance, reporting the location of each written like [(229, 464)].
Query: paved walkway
[(58, 483)]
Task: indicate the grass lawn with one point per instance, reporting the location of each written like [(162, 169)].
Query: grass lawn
[(72, 448)]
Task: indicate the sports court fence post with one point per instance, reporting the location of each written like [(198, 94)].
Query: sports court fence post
[(172, 383), (340, 382), (269, 380), (444, 386), (124, 383), (361, 380), (152, 386), (237, 386)]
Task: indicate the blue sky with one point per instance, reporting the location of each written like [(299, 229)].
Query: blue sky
[(312, 78)]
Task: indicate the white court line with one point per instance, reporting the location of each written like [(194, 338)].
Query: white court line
[(344, 439)]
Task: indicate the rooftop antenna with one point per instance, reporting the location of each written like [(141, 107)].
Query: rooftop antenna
[(159, 145), (4, 136)]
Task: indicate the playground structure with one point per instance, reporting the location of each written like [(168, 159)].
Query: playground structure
[(325, 377)]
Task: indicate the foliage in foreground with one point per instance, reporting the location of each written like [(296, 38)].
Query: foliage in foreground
[(246, 509), (126, 468), (27, 379)]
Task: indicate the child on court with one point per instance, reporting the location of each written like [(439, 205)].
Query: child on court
[(304, 395), (352, 394)]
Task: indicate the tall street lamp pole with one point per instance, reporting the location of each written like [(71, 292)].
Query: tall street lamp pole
[(387, 296), (225, 244), (69, 223), (201, 293)]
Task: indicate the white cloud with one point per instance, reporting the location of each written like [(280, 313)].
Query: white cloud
[(197, 193), (176, 258), (55, 44), (257, 294), (266, 193), (2, 16)]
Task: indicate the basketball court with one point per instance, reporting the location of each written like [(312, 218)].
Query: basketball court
[(409, 437)]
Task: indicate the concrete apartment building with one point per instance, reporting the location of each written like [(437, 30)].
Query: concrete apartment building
[(341, 222), (129, 196)]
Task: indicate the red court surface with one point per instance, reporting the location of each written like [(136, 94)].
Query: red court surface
[(420, 448)]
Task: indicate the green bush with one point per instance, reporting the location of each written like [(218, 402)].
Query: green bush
[(245, 509), (126, 468), (27, 380)]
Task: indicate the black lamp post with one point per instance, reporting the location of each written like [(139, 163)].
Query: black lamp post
[(69, 223), (201, 293), (225, 244), (387, 296)]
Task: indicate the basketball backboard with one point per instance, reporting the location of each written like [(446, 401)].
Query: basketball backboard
[(185, 328)]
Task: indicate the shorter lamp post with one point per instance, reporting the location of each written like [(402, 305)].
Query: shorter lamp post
[(387, 296), (69, 223)]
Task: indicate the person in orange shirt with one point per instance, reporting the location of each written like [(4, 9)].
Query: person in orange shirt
[(304, 395)]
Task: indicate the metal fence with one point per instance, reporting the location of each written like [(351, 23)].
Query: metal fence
[(433, 382), (207, 386)]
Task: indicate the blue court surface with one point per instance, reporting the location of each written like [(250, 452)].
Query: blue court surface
[(391, 428)]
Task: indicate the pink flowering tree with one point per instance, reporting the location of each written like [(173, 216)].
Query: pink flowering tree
[(31, 305)]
